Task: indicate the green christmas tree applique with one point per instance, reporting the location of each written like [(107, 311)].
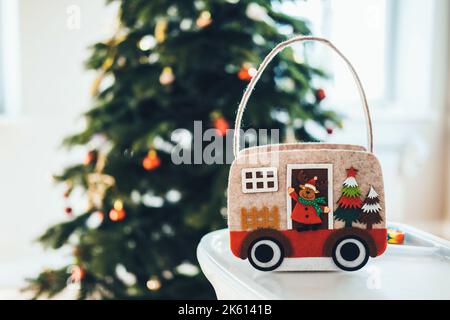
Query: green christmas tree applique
[(349, 204)]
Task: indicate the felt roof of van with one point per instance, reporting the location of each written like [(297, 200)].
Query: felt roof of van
[(301, 146)]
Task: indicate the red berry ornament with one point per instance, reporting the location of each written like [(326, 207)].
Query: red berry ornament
[(221, 126), (151, 161), (246, 73), (90, 157), (117, 215), (320, 94)]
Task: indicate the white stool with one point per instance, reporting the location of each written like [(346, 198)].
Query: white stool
[(419, 269)]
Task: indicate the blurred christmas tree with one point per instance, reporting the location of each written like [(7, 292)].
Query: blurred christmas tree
[(170, 63)]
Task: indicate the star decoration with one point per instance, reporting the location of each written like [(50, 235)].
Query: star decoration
[(351, 172)]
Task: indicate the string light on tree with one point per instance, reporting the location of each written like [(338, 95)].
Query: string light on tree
[(161, 30), (258, 13), (151, 161), (167, 76), (153, 284), (152, 58), (204, 19), (121, 61), (123, 274), (101, 216), (167, 274), (95, 220), (147, 42), (172, 11), (186, 24), (118, 205)]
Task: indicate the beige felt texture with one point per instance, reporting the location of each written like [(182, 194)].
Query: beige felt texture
[(341, 157), (300, 146)]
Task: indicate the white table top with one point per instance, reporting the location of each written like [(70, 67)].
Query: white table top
[(420, 269)]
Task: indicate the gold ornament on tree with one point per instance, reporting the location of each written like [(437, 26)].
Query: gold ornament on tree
[(167, 76), (98, 183), (151, 161), (161, 30), (109, 61), (98, 80), (204, 19)]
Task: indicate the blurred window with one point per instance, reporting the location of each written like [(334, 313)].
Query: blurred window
[(395, 46), (9, 58), (363, 30), (2, 100)]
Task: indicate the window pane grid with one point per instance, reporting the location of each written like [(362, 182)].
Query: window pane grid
[(256, 180)]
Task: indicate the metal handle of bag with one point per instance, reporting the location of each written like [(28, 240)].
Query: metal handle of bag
[(264, 65)]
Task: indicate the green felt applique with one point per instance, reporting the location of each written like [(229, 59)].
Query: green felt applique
[(315, 203), (351, 191)]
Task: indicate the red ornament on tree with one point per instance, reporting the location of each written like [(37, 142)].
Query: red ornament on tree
[(68, 211), (330, 130), (77, 273), (151, 161), (320, 94), (221, 125), (117, 215), (246, 73), (90, 157)]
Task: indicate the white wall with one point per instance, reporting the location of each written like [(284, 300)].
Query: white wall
[(409, 132), (54, 91)]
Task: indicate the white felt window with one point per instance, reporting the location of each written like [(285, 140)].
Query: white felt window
[(256, 180)]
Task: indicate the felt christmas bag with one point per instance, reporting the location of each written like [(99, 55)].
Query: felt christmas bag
[(306, 206)]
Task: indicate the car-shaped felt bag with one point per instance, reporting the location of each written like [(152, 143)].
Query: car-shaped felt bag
[(306, 206)]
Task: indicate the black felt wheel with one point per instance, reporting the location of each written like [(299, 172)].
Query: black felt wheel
[(350, 253), (265, 254)]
